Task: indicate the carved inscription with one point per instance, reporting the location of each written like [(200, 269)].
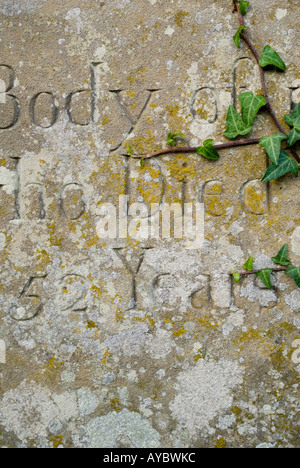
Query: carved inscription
[(72, 288), (78, 105), (32, 202), (213, 198), (148, 190), (132, 262), (118, 112), (43, 110), (72, 200), (255, 197), (167, 291), (245, 77), (29, 303), (9, 103), (202, 296), (205, 106)]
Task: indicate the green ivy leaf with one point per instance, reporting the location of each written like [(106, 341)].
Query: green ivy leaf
[(250, 106), (208, 150), (249, 264), (265, 277), (293, 119), (271, 57), (244, 6), (294, 272), (237, 36), (285, 165), (172, 137), (273, 145), (282, 256), (130, 152), (294, 136), (236, 276), (235, 124)]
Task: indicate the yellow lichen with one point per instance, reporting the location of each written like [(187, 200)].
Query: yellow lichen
[(179, 332), (114, 403), (180, 15), (43, 257), (106, 355), (56, 440), (54, 239), (220, 443), (96, 291), (91, 324)]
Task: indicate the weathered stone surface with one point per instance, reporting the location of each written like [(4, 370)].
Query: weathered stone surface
[(128, 343)]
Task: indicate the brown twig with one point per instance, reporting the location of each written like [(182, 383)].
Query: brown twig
[(254, 272), (262, 79), (193, 149)]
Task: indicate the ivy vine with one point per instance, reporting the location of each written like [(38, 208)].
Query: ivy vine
[(281, 259), (285, 159)]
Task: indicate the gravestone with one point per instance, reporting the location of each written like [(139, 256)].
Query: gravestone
[(112, 332)]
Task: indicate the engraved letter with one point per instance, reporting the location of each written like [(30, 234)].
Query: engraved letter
[(33, 202), (78, 107), (9, 104), (43, 110), (29, 304), (255, 197), (212, 198), (72, 200), (205, 106)]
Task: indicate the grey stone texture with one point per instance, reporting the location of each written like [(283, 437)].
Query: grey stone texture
[(128, 343)]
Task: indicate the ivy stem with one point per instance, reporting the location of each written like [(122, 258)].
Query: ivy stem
[(254, 272), (262, 79), (193, 149)]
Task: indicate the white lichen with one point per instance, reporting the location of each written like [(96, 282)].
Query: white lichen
[(204, 392)]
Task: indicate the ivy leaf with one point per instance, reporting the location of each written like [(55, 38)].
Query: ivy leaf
[(250, 106), (237, 36), (294, 136), (271, 57), (171, 139), (208, 150), (236, 276), (273, 145), (265, 277), (249, 264), (235, 124), (129, 150), (293, 119), (294, 272), (244, 6), (285, 165), (282, 256)]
